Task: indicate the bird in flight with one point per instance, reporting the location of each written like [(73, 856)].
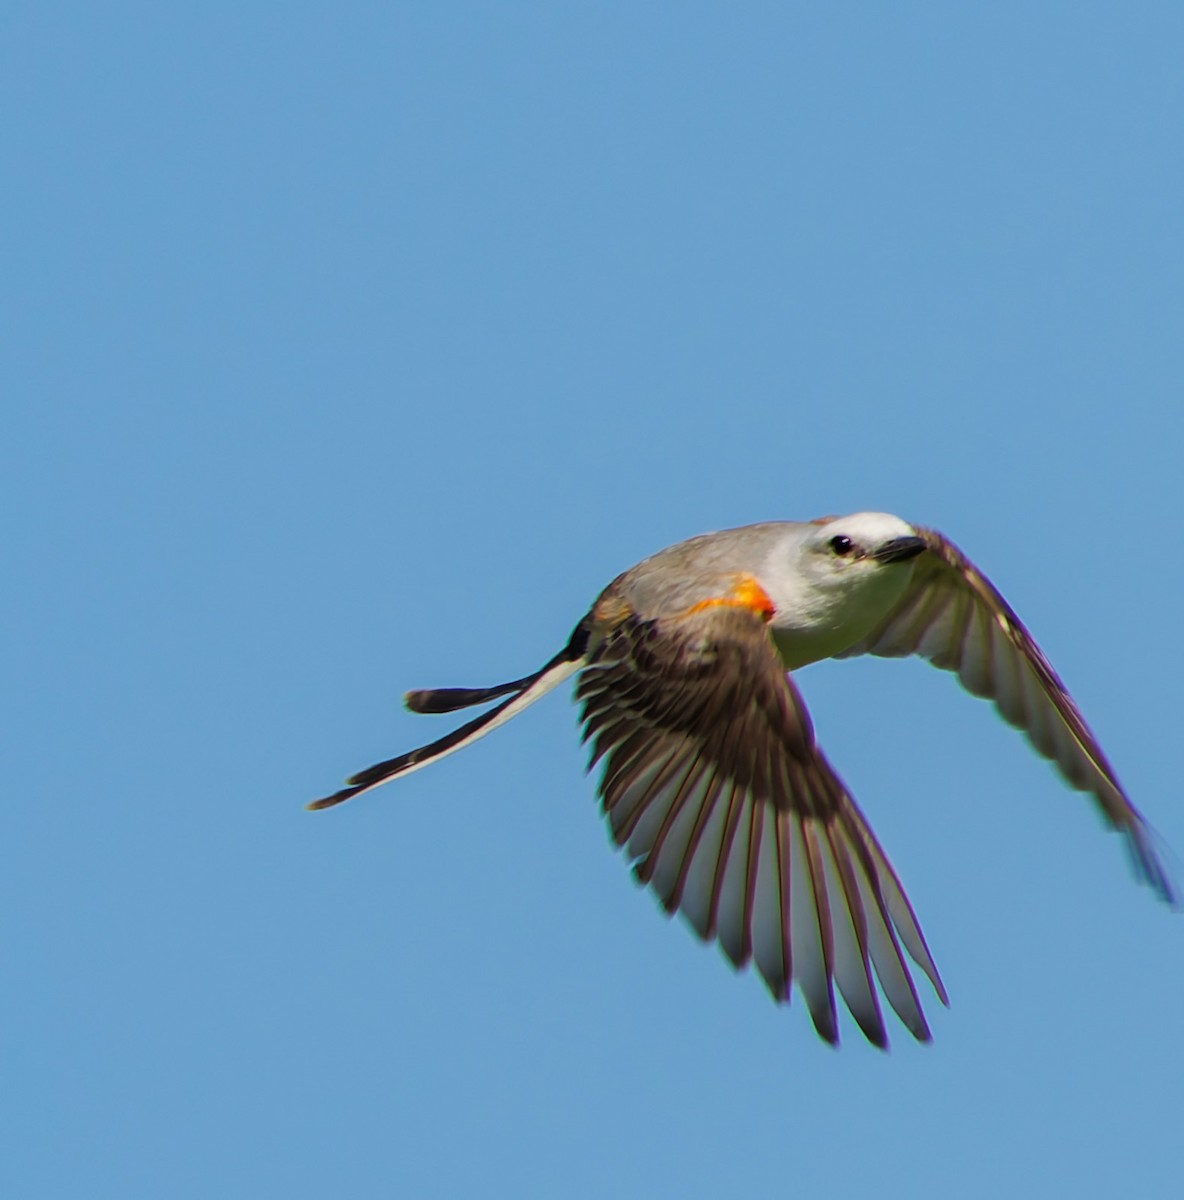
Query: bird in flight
[(712, 778)]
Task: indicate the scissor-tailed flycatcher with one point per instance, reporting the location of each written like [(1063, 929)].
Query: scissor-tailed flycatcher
[(713, 781)]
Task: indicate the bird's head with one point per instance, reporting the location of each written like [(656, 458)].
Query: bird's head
[(837, 578), (846, 552)]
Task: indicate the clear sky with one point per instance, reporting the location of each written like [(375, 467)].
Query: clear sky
[(354, 347)]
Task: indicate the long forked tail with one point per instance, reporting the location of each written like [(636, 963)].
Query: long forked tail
[(524, 693)]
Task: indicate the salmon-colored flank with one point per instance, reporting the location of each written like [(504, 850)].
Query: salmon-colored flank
[(747, 593)]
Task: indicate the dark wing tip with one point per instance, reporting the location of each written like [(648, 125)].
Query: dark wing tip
[(1147, 862), (827, 1030), (876, 1035)]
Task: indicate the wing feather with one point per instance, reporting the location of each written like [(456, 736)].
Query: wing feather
[(718, 915), (713, 783), (734, 937), (809, 954), (952, 615), (768, 910), (688, 784), (853, 971)]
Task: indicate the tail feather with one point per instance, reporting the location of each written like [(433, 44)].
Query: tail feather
[(554, 673), (446, 700)]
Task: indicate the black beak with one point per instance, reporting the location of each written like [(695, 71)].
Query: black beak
[(900, 549)]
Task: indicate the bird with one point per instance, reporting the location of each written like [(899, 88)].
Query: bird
[(712, 779)]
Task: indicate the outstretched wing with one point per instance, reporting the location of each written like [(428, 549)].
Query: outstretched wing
[(714, 785), (953, 616)]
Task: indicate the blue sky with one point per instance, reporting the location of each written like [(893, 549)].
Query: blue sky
[(351, 348)]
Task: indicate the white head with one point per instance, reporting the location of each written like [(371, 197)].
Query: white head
[(836, 579)]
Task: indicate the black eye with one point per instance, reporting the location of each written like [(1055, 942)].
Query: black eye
[(841, 544)]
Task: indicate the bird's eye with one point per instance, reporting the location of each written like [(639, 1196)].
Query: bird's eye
[(841, 544)]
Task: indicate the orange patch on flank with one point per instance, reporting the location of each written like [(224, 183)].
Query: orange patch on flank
[(747, 593)]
